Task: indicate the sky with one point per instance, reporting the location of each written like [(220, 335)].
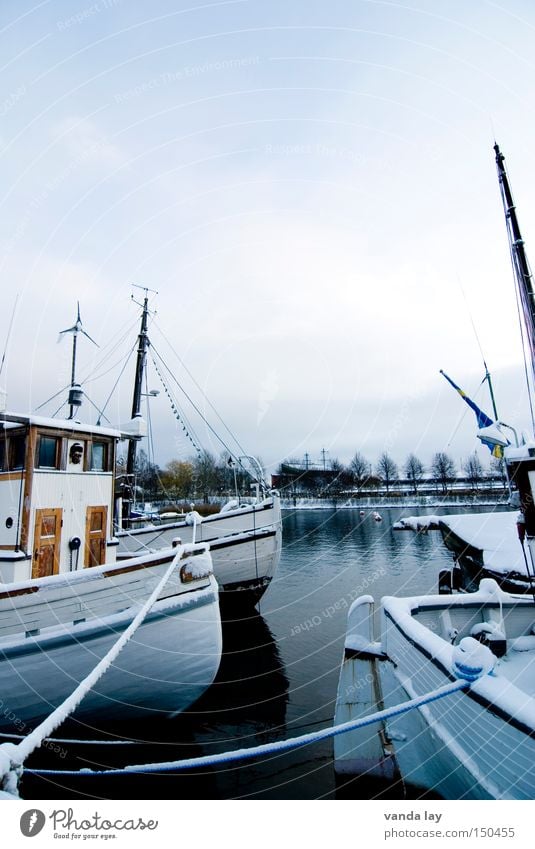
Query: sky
[(310, 189)]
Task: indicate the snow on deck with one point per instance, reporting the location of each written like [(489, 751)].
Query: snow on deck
[(494, 534)]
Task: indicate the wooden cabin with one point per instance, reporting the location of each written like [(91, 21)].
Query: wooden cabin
[(56, 496)]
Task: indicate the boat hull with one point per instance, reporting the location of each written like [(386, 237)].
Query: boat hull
[(465, 746), (171, 659), (245, 546)]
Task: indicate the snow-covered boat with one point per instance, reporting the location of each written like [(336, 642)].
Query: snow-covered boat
[(245, 544), (484, 545), (479, 741), (64, 600), (245, 538)]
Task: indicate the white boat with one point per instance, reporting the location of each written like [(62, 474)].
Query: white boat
[(484, 545), (478, 742), (64, 600), (245, 544), (245, 538)]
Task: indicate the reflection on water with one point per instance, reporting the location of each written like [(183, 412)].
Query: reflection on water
[(278, 676)]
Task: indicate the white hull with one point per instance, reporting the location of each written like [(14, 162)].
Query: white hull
[(171, 659), (245, 546), (478, 744)]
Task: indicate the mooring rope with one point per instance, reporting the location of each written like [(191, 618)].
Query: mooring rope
[(267, 748), (13, 755)]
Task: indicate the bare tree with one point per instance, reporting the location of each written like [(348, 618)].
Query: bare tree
[(206, 474), (497, 469), (473, 470), (443, 469), (360, 469), (414, 469), (387, 469)]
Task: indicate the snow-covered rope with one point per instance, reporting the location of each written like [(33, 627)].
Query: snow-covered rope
[(13, 755), (268, 748)]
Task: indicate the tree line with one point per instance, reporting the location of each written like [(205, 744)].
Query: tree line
[(204, 476), (196, 478), (359, 474)]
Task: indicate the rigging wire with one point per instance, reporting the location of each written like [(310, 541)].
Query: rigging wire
[(200, 389), (92, 378), (464, 414), (522, 336), (180, 417), (471, 320), (198, 411), (9, 332), (114, 387)]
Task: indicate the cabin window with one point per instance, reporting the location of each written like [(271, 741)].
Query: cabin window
[(99, 457), (17, 449), (2, 455), (48, 452)]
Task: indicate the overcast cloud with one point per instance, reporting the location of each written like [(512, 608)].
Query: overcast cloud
[(310, 187)]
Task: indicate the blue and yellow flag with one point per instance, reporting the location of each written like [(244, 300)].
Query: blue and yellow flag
[(482, 419)]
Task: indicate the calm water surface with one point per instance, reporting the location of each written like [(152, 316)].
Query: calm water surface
[(278, 676)]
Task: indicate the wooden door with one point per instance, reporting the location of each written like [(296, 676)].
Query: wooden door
[(96, 519), (46, 542)]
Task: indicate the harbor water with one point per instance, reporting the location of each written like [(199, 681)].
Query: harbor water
[(278, 676)]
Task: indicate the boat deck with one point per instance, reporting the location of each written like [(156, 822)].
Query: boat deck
[(518, 667)]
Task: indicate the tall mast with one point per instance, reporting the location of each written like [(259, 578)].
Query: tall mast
[(518, 256), (143, 344)]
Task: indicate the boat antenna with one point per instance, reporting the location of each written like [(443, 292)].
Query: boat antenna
[(75, 394), (141, 360), (522, 272)]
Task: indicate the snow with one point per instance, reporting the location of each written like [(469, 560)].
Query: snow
[(511, 687), (58, 424), (356, 642), (521, 452), (193, 518), (418, 523), (495, 535)]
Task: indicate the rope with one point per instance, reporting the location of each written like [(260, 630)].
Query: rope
[(13, 756), (268, 748), (178, 416)]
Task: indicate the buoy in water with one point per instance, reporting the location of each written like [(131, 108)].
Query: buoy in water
[(377, 517)]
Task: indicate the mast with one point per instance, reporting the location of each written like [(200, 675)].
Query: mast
[(518, 256), (143, 344), (491, 391), (75, 392)]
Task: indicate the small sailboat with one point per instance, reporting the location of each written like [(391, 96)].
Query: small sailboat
[(479, 741)]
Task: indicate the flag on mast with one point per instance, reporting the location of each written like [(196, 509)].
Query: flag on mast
[(483, 420)]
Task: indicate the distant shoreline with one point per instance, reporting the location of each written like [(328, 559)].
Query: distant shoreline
[(423, 502)]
